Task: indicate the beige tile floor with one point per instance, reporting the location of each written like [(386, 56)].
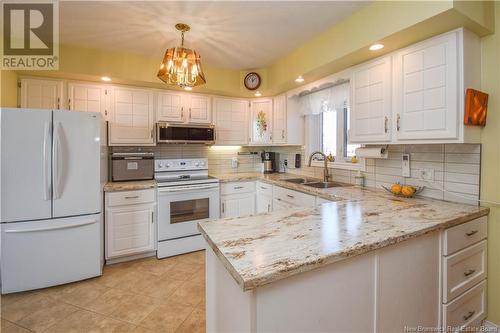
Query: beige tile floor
[(146, 295)]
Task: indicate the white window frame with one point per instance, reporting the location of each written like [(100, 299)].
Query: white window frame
[(342, 137)]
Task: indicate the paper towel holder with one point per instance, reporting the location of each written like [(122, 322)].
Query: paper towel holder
[(373, 152)]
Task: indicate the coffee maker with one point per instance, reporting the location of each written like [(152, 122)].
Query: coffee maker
[(270, 160)]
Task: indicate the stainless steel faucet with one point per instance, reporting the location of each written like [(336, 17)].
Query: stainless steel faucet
[(326, 176)]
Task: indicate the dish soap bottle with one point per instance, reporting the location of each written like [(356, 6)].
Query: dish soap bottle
[(359, 179)]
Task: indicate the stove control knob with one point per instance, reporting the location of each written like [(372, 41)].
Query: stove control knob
[(160, 165), (168, 165), (202, 163), (197, 164)]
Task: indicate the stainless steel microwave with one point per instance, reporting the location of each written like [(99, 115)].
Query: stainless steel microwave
[(185, 133)]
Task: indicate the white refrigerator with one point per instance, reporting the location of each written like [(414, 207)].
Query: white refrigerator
[(51, 198)]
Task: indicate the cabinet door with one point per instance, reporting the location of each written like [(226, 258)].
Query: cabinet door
[(199, 111), (41, 94), (370, 114), (426, 90), (279, 119), (87, 97), (264, 204), (280, 205), (237, 205), (129, 230), (170, 107), (231, 120), (261, 121), (132, 121)]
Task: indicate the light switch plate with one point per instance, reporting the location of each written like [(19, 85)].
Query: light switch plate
[(405, 165), (234, 162)]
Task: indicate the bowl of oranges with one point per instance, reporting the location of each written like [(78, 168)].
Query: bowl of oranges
[(406, 191)]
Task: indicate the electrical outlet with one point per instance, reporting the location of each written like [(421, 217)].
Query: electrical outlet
[(234, 162), (427, 174)]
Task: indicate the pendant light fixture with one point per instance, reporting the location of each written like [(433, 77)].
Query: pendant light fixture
[(181, 66)]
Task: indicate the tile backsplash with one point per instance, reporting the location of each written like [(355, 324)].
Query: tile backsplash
[(456, 167)]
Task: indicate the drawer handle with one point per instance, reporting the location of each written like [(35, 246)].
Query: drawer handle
[(262, 187), (238, 187), (132, 197), (290, 196), (470, 233), (469, 315), (469, 272)]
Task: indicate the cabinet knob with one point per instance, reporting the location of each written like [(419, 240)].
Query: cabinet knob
[(469, 272), (470, 233), (469, 315)]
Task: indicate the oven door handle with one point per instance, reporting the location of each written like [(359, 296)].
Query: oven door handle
[(186, 188)]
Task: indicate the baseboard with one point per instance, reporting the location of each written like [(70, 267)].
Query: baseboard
[(129, 258), (490, 327)]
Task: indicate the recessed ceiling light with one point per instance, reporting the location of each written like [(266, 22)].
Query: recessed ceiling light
[(299, 79), (376, 47), (188, 88), (105, 78), (258, 94)]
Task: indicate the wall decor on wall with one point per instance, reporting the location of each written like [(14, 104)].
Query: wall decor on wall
[(476, 107)]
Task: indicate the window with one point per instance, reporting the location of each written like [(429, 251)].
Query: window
[(327, 124), (334, 138)]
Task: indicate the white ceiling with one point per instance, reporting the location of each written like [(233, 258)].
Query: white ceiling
[(236, 34)]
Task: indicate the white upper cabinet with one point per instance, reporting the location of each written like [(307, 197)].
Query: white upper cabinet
[(89, 97), (170, 107), (183, 108), (41, 94), (426, 104), (132, 120), (231, 121), (279, 120), (427, 89), (261, 121), (370, 115), (198, 108)]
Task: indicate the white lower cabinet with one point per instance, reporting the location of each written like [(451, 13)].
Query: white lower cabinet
[(293, 198), (130, 223), (264, 197), (464, 275), (238, 205), (237, 199)]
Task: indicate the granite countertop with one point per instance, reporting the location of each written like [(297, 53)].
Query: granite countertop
[(265, 248), (129, 186)]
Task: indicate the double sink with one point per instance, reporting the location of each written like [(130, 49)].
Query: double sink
[(315, 183)]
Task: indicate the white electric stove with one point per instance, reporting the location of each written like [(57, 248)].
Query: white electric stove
[(186, 196)]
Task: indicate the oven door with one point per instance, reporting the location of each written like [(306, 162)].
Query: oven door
[(180, 208)]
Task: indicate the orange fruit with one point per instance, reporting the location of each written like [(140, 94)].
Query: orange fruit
[(408, 190), (396, 188)]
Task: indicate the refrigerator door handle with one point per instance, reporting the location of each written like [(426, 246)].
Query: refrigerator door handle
[(57, 160), (46, 160), (69, 226)]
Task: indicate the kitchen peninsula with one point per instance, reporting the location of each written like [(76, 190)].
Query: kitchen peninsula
[(357, 264)]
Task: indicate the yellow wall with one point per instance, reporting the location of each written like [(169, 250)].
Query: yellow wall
[(490, 163), (8, 89)]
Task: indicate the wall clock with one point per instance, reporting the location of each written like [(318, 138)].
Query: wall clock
[(252, 81)]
